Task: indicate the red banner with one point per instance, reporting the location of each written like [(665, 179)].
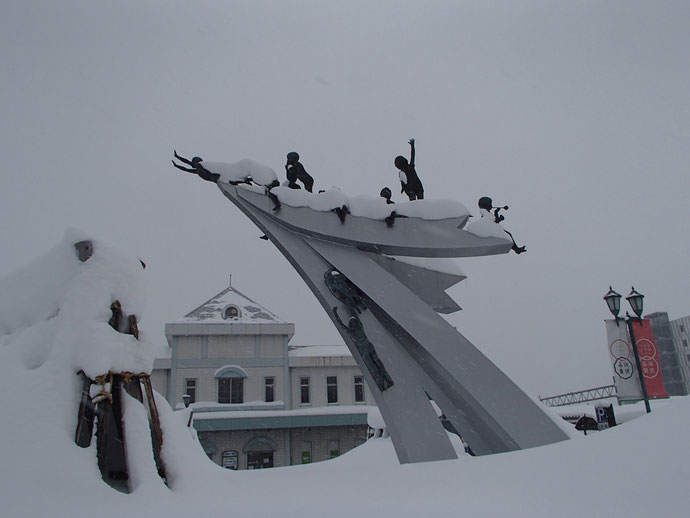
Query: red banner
[(649, 359)]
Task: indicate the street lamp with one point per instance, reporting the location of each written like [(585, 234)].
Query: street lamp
[(613, 301), (635, 299)]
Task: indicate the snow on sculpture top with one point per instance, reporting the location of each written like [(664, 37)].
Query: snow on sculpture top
[(485, 226), (424, 228), (58, 307), (434, 228), (242, 170), (248, 170), (368, 206)]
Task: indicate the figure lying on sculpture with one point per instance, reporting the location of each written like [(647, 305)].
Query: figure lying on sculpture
[(197, 168), (485, 206)]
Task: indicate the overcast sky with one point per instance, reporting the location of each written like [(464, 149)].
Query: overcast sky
[(575, 114)]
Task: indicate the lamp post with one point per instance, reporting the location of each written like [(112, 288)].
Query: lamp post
[(635, 299)]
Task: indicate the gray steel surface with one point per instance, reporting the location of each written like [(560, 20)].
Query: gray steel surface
[(424, 356)]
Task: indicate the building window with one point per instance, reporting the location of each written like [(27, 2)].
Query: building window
[(190, 389), (682, 328), (333, 449), (685, 342), (269, 389), (332, 389), (305, 449), (359, 389), (231, 312), (304, 393), (231, 390)]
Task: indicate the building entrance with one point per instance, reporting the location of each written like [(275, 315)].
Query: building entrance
[(259, 459)]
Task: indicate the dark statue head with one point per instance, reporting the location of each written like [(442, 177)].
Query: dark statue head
[(292, 157), (196, 160), (386, 193), (401, 162), (485, 203)]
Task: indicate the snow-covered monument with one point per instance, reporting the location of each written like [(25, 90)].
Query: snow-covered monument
[(348, 250)]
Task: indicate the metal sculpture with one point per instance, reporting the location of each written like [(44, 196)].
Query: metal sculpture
[(407, 352)]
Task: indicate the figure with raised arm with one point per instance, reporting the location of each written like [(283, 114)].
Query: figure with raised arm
[(295, 171), (409, 181), (486, 206)]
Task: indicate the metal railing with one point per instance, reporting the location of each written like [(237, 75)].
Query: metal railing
[(581, 396)]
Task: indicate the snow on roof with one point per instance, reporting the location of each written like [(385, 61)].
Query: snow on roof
[(231, 306), (303, 351)]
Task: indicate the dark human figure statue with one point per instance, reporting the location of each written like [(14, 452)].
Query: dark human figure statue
[(390, 219), (272, 196), (342, 212), (343, 290), (196, 168), (295, 171), (486, 203), (386, 195), (409, 181), (366, 350)]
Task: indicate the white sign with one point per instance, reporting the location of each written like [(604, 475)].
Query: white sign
[(625, 374)]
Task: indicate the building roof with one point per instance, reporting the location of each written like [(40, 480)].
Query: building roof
[(346, 415), (218, 309)]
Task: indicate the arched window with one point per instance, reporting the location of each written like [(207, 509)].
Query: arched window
[(232, 312), (231, 384)]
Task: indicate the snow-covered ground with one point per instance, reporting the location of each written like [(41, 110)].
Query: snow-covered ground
[(54, 317)]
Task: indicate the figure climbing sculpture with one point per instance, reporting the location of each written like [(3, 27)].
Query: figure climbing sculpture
[(366, 350), (343, 290)]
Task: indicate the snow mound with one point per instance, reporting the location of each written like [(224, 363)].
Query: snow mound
[(58, 306)]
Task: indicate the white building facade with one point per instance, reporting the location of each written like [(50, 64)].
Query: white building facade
[(259, 402)]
